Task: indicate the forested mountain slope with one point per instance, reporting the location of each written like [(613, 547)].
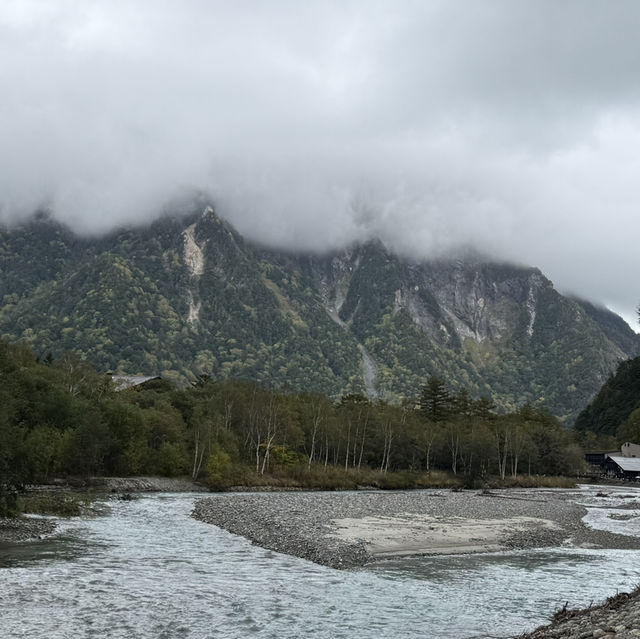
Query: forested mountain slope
[(188, 296), (615, 401)]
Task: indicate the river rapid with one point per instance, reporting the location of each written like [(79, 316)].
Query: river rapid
[(146, 569)]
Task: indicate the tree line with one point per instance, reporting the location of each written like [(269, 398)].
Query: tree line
[(61, 418)]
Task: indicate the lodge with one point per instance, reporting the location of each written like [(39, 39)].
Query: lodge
[(623, 464), (622, 467)]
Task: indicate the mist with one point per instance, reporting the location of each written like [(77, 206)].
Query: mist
[(510, 127)]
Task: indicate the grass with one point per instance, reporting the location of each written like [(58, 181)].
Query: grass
[(318, 477), (60, 503)]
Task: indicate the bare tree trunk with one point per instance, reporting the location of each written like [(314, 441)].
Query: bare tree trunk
[(389, 441), (364, 434), (346, 455), (317, 419), (265, 459), (326, 450), (454, 447), (228, 409), (312, 452), (198, 455), (517, 445), (502, 449), (195, 454), (355, 448), (200, 460), (386, 447)]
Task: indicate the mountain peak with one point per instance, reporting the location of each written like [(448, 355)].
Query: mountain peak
[(188, 296)]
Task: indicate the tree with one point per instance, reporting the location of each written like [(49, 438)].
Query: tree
[(629, 430), (429, 434), (315, 409), (435, 401), (482, 408), (219, 468), (453, 432), (80, 377), (355, 409)]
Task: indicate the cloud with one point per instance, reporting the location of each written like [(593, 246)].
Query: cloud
[(509, 126)]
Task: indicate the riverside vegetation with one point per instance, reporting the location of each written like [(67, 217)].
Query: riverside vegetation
[(59, 418)]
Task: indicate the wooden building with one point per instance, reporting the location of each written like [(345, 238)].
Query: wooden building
[(622, 467), (623, 464)]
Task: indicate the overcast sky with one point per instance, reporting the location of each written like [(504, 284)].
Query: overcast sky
[(510, 126)]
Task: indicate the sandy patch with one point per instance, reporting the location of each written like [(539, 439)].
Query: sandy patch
[(421, 534)]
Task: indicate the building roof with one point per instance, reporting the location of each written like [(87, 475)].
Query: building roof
[(123, 382), (628, 464)]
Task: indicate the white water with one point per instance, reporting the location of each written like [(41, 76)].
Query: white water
[(612, 508), (148, 570)]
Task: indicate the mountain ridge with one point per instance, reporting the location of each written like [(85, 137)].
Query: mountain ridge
[(187, 295)]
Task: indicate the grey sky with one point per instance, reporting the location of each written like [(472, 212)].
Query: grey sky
[(510, 126)]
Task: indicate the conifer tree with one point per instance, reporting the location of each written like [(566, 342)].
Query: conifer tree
[(435, 401)]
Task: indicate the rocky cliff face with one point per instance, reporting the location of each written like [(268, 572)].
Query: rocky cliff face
[(494, 329), (189, 296)]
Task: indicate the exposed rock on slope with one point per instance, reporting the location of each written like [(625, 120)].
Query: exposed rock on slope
[(188, 296)]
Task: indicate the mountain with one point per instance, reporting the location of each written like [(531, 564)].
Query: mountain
[(188, 295), (614, 402)]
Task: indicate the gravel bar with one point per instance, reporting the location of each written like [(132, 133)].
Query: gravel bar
[(13, 530), (146, 485), (302, 523)]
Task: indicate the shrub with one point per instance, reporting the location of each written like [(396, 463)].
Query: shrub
[(219, 469)]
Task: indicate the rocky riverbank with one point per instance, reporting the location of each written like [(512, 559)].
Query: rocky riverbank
[(344, 530), (50, 499), (618, 617), (18, 529), (145, 485)]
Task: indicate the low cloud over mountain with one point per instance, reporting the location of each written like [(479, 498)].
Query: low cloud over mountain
[(509, 127)]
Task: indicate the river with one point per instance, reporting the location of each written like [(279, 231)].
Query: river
[(146, 569)]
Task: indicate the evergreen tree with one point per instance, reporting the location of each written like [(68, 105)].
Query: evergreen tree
[(435, 402)]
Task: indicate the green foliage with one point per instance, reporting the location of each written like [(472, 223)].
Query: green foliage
[(629, 430), (170, 460), (615, 402), (436, 404), (219, 469), (58, 503), (60, 419), (283, 456), (122, 302)]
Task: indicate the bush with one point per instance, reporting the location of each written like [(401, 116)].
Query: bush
[(59, 503), (170, 460), (219, 469)]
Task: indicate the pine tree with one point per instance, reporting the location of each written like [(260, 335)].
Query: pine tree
[(435, 401)]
